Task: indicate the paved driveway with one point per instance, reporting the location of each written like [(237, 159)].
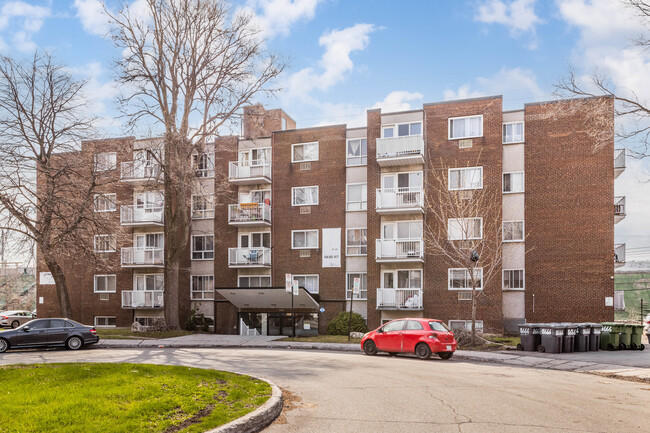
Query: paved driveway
[(349, 392)]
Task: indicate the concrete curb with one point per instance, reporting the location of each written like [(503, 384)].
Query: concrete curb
[(260, 418)]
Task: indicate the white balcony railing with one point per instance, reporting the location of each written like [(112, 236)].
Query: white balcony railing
[(619, 206), (396, 147), (254, 257), (619, 254), (137, 256), (399, 249), (134, 215), (249, 213), (399, 198), (140, 171), (619, 159), (143, 299), (255, 169), (399, 299)]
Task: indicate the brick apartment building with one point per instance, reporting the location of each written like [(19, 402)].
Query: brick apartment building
[(331, 204)]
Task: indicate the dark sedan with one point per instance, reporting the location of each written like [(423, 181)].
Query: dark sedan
[(48, 333)]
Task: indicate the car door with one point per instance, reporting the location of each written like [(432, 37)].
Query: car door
[(412, 334), (36, 335), (57, 333), (390, 339)]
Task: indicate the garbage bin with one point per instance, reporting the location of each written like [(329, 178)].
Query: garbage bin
[(551, 340), (529, 334), (610, 337), (570, 331), (626, 335), (637, 332), (594, 337), (581, 343)]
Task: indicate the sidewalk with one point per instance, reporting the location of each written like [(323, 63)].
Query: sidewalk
[(631, 365)]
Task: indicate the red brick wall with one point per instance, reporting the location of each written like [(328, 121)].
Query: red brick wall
[(373, 132), (259, 122)]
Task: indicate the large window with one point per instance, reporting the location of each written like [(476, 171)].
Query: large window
[(513, 132), (202, 287), (357, 242), (304, 196), (149, 282), (363, 285), (104, 243), (402, 279), (255, 281), (309, 282), (304, 239), (255, 157), (105, 321), (357, 196), (465, 178), (513, 279), (513, 182), (513, 231), (105, 161), (202, 206), (465, 127), (202, 247), (304, 152), (401, 130), (255, 240), (464, 228), (105, 202), (357, 151), (203, 164), (461, 279), (105, 283)]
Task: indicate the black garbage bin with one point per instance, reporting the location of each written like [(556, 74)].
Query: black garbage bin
[(581, 343), (529, 335), (594, 337), (570, 331), (552, 336)]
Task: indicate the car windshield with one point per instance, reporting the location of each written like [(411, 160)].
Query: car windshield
[(439, 327)]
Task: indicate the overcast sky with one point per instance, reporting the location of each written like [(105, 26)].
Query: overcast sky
[(348, 56)]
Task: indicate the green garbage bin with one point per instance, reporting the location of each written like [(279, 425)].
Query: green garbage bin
[(626, 335), (637, 333), (610, 336)]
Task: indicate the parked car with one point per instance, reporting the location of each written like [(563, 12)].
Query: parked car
[(420, 336), (15, 318), (48, 333)]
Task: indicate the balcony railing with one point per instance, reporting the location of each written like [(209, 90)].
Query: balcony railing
[(396, 199), (134, 215), (619, 159), (619, 254), (399, 299), (249, 213), (140, 171), (249, 257), (142, 256), (399, 250), (619, 208), (257, 170), (400, 150), (143, 299)]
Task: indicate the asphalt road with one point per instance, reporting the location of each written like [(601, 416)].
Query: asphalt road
[(348, 392)]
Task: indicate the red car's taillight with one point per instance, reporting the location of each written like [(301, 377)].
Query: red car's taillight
[(433, 335), (93, 331)]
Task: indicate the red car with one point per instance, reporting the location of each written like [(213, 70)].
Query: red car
[(420, 336)]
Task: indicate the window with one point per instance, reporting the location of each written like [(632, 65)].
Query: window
[(105, 321), (202, 206), (466, 325), (357, 242), (304, 239), (413, 325), (255, 157), (150, 200), (255, 281), (401, 130), (255, 240), (363, 288), (309, 282), (357, 196), (357, 151), (105, 161), (513, 132), (149, 282), (405, 279), (202, 247), (464, 228), (397, 325), (465, 178), (149, 240), (284, 124), (461, 279), (304, 196), (513, 279), (513, 231), (202, 287), (105, 283), (465, 127), (304, 152), (203, 164), (148, 321), (105, 202), (513, 182), (402, 230), (104, 243)]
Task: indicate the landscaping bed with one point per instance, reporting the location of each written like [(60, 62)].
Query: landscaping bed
[(324, 339), (126, 333), (125, 398)]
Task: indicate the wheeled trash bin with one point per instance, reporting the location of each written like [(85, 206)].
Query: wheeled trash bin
[(570, 331), (637, 333), (529, 334), (552, 335), (610, 338), (594, 337), (581, 343)]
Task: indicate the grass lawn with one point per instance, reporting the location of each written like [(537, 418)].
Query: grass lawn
[(107, 398), (325, 339), (119, 333)]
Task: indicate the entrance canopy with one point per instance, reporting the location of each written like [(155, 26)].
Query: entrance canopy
[(267, 298)]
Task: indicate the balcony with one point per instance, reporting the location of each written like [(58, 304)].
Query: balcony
[(245, 214), (396, 151), (137, 299), (142, 257), (399, 299), (249, 257), (619, 255), (249, 173), (136, 171), (400, 200), (141, 216), (399, 250), (619, 162), (619, 209)]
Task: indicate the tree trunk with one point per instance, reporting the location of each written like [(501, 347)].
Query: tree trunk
[(474, 305), (60, 282)]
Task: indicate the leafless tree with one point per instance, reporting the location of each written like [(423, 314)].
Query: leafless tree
[(463, 228), (189, 66)]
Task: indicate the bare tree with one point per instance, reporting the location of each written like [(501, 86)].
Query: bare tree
[(189, 66), (463, 228)]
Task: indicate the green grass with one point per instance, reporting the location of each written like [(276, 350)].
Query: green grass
[(117, 333), (128, 398), (508, 341), (325, 339), (634, 289)]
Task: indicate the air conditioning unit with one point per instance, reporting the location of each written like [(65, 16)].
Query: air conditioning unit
[(305, 210), (304, 166), (464, 144), (305, 253), (464, 296), (465, 195), (103, 296)]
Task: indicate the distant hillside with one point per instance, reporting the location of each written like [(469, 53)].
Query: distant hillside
[(18, 292), (635, 286), (633, 267)]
